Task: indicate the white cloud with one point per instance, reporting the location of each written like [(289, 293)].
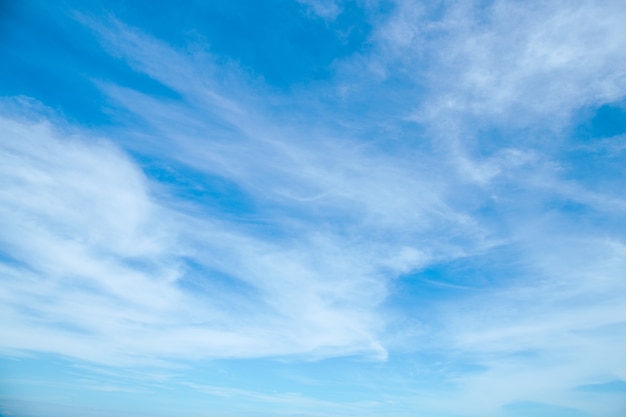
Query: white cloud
[(523, 69), (510, 62), (103, 264), (113, 259), (539, 337), (114, 267)]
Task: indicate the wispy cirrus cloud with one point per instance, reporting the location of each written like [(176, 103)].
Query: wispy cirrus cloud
[(526, 71), (512, 63), (90, 251), (291, 280), (429, 197)]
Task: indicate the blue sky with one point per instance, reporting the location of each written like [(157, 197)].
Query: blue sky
[(313, 208)]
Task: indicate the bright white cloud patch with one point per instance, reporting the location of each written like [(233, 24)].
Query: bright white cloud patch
[(102, 267), (115, 275)]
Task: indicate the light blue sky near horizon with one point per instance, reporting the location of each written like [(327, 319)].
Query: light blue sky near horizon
[(312, 208)]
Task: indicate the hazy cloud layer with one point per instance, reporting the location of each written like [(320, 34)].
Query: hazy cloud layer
[(441, 196)]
